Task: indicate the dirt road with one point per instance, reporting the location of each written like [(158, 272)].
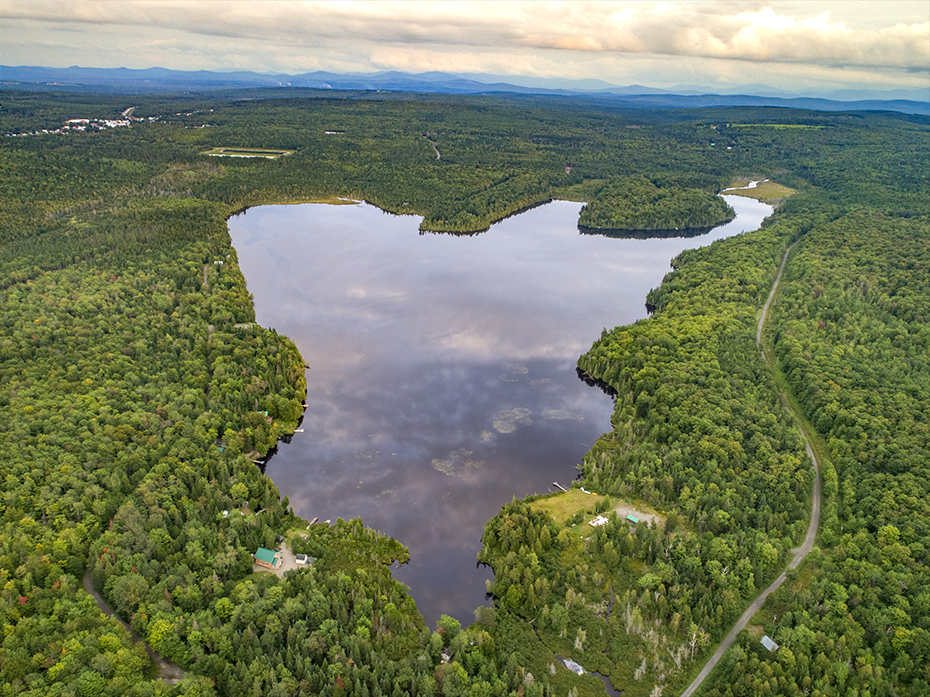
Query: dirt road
[(799, 552), (167, 671), (765, 308), (435, 148)]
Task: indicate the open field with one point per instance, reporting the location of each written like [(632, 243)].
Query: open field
[(767, 192), (779, 126), (562, 506), (247, 152)]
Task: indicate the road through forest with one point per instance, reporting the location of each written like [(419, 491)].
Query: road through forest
[(799, 552), (167, 671)]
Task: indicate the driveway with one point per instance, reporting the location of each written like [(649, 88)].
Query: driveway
[(288, 562)]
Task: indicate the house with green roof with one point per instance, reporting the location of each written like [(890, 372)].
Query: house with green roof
[(267, 558)]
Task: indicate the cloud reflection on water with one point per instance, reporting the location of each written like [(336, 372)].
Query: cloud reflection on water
[(443, 368)]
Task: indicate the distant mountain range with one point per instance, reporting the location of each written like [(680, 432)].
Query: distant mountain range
[(150, 80)]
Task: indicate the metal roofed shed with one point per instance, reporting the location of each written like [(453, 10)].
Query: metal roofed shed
[(632, 518), (769, 644)]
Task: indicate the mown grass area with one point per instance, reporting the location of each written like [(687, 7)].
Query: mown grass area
[(563, 505)]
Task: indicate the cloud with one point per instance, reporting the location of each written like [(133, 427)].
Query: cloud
[(711, 30), (618, 41), (763, 35)]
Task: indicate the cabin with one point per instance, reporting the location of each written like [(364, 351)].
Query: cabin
[(597, 522), (632, 518), (302, 559), (267, 558), (769, 644)]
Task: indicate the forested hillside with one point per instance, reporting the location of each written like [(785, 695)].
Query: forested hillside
[(852, 337), (137, 394)]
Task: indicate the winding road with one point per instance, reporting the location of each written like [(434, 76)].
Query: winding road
[(167, 671), (435, 148), (799, 553)]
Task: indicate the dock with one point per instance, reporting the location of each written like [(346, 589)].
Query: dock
[(559, 487)]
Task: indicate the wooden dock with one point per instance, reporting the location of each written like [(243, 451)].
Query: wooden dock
[(559, 487)]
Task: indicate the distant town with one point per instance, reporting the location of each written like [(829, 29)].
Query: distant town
[(79, 124)]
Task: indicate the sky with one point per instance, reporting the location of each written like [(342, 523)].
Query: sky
[(796, 46)]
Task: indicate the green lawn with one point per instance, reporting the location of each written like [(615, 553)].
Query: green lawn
[(564, 505)]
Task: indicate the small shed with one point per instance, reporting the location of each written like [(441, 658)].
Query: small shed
[(267, 558), (632, 518), (769, 644), (302, 559)]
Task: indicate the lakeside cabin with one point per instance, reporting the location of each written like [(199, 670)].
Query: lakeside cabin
[(268, 558)]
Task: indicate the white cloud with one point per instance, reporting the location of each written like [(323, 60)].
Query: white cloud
[(690, 30), (609, 40)]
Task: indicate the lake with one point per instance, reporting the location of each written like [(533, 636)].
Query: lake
[(442, 368)]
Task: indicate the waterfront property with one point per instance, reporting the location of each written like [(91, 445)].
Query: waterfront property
[(267, 558)]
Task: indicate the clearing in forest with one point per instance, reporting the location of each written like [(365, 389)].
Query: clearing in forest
[(247, 152), (563, 505), (766, 191)]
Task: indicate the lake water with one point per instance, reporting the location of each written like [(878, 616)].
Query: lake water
[(442, 368)]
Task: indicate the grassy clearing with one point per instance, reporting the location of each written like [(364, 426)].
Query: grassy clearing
[(295, 533), (247, 152), (767, 192), (562, 506), (777, 126)]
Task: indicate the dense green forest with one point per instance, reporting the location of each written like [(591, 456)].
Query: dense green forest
[(638, 203), (852, 338), (136, 394)]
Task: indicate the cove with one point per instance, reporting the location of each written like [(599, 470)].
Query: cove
[(442, 374)]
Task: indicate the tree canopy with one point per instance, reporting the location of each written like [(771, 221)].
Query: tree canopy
[(137, 394)]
